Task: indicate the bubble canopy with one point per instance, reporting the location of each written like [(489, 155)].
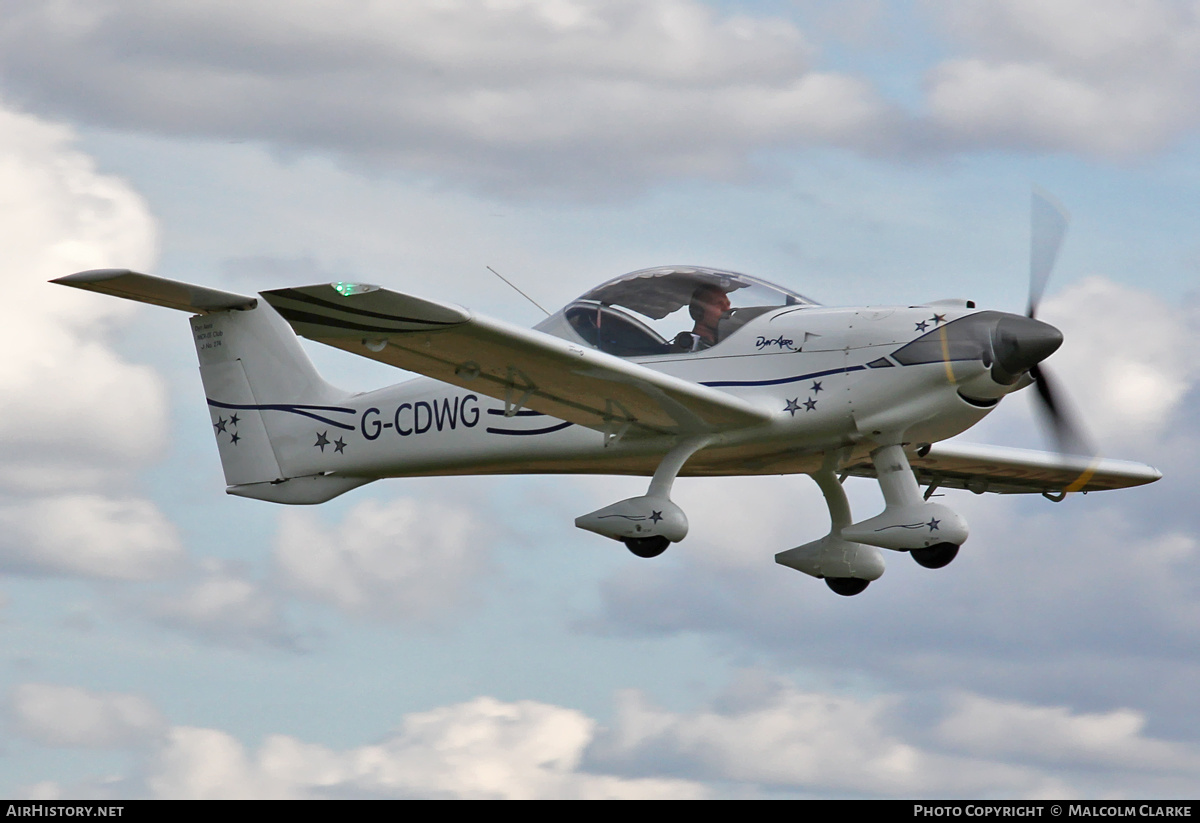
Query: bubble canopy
[(640, 313)]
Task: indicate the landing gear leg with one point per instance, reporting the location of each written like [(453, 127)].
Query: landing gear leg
[(647, 525)]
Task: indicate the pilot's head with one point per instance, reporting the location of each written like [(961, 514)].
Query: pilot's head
[(709, 302)]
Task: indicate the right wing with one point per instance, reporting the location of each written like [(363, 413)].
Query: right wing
[(1006, 470), (522, 367)]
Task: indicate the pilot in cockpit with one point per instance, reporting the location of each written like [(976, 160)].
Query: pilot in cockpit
[(708, 304)]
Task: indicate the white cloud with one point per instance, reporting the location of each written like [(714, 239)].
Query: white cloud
[(481, 749), (206, 764), (43, 790), (588, 97), (1110, 78), (1034, 106), (569, 95), (404, 559), (1097, 37), (761, 735), (1055, 734), (72, 412), (71, 716), (1130, 384), (74, 416), (223, 605), (818, 742), (88, 535)]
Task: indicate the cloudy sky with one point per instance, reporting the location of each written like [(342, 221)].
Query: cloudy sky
[(458, 637)]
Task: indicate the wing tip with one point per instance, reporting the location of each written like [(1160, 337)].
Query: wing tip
[(92, 276)]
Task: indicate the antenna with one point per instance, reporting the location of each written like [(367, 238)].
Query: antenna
[(518, 291)]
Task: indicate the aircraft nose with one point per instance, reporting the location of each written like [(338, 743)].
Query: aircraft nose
[(1020, 343)]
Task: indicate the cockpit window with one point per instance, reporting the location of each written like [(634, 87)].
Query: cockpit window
[(613, 331), (670, 310)]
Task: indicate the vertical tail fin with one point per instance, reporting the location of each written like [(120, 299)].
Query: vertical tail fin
[(251, 362), (262, 390)]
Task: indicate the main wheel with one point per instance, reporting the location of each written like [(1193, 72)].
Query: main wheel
[(847, 586), (935, 556), (647, 546)]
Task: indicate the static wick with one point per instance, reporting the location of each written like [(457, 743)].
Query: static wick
[(518, 291)]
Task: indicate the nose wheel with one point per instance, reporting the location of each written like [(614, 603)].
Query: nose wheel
[(647, 546)]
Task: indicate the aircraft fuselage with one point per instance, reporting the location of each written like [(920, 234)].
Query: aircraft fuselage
[(823, 374)]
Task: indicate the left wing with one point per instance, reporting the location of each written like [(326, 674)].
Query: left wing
[(1005, 470), (523, 367)]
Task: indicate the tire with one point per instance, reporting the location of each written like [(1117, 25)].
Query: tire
[(936, 556), (847, 586), (647, 546)]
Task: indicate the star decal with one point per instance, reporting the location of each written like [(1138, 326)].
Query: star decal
[(322, 441), (220, 424), (938, 319), (933, 524), (339, 446), (656, 516), (924, 324), (233, 438), (792, 406), (234, 420), (816, 387), (810, 404)]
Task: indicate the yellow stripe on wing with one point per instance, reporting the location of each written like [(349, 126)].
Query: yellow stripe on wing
[(1082, 480)]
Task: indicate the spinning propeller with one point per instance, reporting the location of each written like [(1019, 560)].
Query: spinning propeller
[(1049, 225)]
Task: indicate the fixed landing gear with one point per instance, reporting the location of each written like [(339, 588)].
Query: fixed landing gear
[(647, 546), (845, 567), (849, 557), (908, 521), (847, 586), (936, 556), (647, 525)]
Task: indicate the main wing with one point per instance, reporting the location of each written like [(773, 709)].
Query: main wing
[(1005, 470), (523, 367)]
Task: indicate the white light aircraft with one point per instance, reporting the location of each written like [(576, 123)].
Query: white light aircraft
[(665, 371)]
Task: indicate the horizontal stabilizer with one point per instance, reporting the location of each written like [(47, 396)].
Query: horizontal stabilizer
[(158, 291)]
